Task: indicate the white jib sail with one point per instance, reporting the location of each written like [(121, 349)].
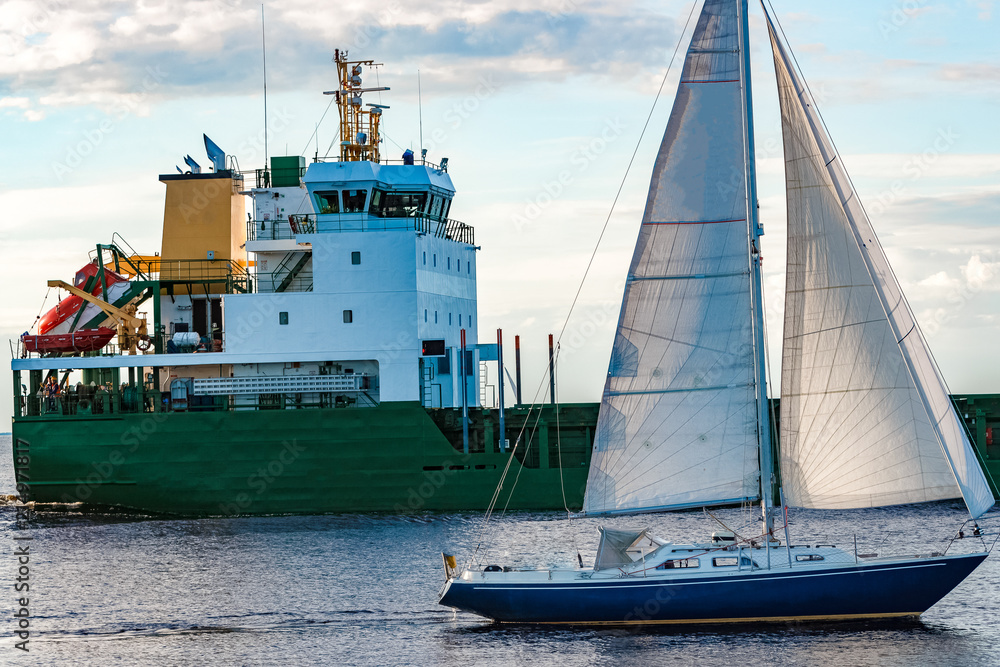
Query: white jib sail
[(678, 423), (865, 415)]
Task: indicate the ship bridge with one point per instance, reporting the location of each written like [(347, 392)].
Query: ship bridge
[(361, 259)]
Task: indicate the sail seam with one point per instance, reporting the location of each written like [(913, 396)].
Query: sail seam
[(677, 391), (694, 222), (694, 276)]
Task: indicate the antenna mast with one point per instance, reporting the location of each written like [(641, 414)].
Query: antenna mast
[(359, 127), (263, 49), (420, 115)]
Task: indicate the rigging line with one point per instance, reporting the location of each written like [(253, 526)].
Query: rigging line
[(628, 168), (39, 316), (591, 260), (332, 142), (562, 482), (483, 530), (775, 441), (316, 131)]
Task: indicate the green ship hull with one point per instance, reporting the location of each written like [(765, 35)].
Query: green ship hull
[(397, 457)]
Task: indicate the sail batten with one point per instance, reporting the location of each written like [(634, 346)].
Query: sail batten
[(678, 421), (865, 414)]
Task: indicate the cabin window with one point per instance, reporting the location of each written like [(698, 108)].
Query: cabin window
[(435, 258), (460, 319), (348, 316), (435, 207), (808, 557), (425, 258), (458, 265), (328, 201), (683, 562), (282, 318), (449, 319), (425, 314), (356, 257), (725, 561), (449, 263), (435, 317), (397, 204), (354, 201), (468, 268), (444, 365)]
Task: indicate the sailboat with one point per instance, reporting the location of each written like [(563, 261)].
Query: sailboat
[(865, 415)]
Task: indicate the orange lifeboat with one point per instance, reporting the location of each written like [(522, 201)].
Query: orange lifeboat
[(81, 340), (60, 320)]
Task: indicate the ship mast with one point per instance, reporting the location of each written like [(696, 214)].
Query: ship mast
[(359, 127), (756, 231)]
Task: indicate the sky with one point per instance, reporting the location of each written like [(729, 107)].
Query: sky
[(540, 106)]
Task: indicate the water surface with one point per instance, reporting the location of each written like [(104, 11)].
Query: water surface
[(362, 590)]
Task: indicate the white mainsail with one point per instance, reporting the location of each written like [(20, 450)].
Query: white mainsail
[(865, 414), (678, 421)]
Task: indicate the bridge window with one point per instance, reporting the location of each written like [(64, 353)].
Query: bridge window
[(354, 201), (328, 201), (397, 204), (435, 208)]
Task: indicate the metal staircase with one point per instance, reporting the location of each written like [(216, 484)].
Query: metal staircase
[(300, 259)]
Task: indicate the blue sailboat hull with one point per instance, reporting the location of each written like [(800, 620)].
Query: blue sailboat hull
[(901, 588)]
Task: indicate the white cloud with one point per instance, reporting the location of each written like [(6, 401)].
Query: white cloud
[(14, 102)]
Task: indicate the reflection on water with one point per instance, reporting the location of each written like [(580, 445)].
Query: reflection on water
[(362, 589)]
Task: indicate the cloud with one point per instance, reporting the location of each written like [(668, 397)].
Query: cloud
[(97, 51)]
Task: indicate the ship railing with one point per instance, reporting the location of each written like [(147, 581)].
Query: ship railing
[(82, 400), (271, 282), (227, 272), (417, 161), (213, 395), (284, 229), (280, 229)]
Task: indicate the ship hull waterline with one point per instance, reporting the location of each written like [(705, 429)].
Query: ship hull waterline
[(898, 589)]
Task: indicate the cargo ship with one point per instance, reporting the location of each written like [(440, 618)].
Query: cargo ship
[(315, 353)]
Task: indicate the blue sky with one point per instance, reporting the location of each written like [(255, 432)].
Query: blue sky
[(539, 106)]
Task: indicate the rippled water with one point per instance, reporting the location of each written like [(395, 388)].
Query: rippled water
[(362, 589)]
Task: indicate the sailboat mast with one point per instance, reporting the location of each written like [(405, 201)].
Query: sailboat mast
[(756, 279)]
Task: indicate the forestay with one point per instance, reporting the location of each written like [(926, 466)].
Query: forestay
[(678, 423), (865, 415)]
